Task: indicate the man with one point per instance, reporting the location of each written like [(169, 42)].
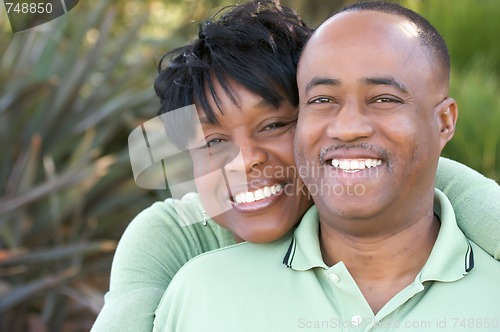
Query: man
[(381, 249), (374, 89)]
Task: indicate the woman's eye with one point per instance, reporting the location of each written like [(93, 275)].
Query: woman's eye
[(274, 125), (214, 142)]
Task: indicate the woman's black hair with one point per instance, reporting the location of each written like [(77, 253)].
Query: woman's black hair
[(256, 44)]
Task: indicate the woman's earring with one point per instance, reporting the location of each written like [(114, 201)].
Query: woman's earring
[(205, 218)]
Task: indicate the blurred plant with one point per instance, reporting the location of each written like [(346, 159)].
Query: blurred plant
[(477, 139), (471, 30), (68, 97)]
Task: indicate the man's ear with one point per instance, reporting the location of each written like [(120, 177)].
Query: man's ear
[(447, 114)]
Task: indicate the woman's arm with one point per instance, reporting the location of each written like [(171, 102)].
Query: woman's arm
[(476, 201), (151, 251)]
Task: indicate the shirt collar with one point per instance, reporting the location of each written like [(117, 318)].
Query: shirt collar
[(450, 259), (304, 251)]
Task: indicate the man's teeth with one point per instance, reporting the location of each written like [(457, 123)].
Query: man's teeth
[(355, 165), (257, 195)]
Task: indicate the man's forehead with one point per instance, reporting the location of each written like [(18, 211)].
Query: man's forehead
[(364, 45), (363, 29), (368, 20)]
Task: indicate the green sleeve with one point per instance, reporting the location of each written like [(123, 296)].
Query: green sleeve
[(151, 251), (475, 200)]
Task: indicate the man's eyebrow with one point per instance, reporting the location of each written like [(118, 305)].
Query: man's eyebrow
[(322, 81), (386, 81)]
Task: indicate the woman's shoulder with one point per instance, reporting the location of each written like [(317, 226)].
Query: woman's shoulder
[(180, 220), (172, 212)]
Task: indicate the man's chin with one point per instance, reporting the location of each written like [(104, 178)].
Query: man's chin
[(350, 208)]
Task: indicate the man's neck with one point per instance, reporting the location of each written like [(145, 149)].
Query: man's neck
[(382, 265)]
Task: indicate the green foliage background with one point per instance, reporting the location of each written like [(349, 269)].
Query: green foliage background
[(72, 90)]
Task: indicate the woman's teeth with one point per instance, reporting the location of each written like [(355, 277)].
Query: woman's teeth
[(257, 195), (355, 165)]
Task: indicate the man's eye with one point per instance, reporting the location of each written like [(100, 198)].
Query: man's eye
[(382, 100), (320, 100)]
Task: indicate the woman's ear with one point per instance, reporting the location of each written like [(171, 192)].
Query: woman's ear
[(447, 113)]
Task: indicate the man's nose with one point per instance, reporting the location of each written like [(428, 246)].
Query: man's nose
[(350, 123)]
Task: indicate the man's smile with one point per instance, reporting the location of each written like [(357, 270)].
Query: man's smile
[(354, 165)]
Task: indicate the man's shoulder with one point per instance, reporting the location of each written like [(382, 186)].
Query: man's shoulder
[(242, 258), (245, 252), (480, 285), (485, 265), (475, 294)]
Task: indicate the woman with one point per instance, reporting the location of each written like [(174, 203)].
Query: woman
[(240, 74)]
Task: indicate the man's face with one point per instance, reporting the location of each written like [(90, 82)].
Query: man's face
[(371, 124)]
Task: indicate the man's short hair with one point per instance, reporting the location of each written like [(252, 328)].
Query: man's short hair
[(429, 36)]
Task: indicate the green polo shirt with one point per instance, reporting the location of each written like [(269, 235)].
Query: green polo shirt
[(286, 286)]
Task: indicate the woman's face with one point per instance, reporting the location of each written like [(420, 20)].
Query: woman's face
[(244, 167)]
